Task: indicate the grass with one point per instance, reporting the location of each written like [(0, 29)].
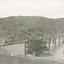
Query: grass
[(21, 60)]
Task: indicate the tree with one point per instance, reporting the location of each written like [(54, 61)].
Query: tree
[(36, 47)]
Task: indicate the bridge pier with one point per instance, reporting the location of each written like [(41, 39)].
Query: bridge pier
[(55, 42), (62, 39)]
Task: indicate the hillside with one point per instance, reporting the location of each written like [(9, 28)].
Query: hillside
[(19, 28)]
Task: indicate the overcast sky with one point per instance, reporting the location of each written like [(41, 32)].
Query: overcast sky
[(46, 8)]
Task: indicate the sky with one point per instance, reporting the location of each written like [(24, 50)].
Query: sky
[(45, 8)]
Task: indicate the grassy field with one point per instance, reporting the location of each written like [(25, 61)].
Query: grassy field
[(20, 60)]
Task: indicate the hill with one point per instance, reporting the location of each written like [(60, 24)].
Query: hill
[(20, 28)]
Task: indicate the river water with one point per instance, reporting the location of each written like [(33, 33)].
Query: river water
[(59, 53)]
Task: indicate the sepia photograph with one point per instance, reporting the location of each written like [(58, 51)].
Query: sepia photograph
[(31, 31)]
